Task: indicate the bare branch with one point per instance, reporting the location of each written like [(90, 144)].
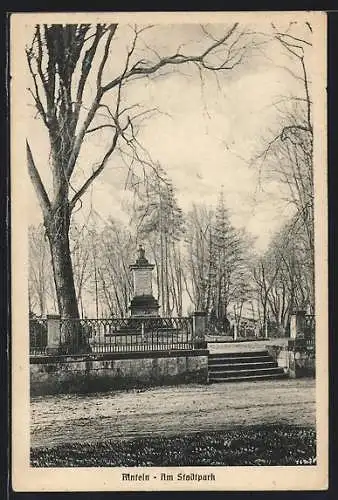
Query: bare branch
[(95, 173), (99, 127), (87, 63), (292, 37), (37, 183), (112, 29), (79, 138), (175, 59), (35, 96)]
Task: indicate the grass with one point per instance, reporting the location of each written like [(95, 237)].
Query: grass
[(256, 445)]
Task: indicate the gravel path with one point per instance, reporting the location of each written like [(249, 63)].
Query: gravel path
[(257, 345), (170, 410)]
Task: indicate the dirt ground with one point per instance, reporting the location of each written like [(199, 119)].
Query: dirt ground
[(256, 345), (166, 411)]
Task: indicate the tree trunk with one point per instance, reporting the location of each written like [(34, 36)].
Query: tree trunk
[(57, 229), (63, 276)]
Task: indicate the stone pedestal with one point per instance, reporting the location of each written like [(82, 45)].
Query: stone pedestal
[(235, 331), (143, 302), (266, 329), (53, 334), (145, 305), (199, 328), (297, 325)]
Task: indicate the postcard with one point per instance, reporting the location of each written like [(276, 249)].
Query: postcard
[(169, 251)]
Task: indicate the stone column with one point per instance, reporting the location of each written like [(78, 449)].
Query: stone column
[(297, 324), (235, 330), (199, 328), (53, 334), (266, 328)]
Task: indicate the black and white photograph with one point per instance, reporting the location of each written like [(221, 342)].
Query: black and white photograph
[(169, 251)]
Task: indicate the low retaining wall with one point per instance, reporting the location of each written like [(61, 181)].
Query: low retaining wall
[(100, 372), (295, 360)]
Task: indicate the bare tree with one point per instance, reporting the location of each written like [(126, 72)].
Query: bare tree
[(288, 154), (176, 278), (283, 276), (116, 248), (198, 257), (264, 277), (64, 61), (81, 249), (40, 285)]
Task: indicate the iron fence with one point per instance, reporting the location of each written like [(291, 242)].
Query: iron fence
[(222, 328), (248, 331), (305, 337), (310, 326), (37, 336), (309, 332), (303, 344), (106, 335)]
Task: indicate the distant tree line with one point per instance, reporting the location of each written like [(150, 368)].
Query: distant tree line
[(198, 255), (202, 262)]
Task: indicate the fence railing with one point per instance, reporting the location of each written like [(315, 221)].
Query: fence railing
[(309, 332), (107, 335), (38, 336), (310, 326)]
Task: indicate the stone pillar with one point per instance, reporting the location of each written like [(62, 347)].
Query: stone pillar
[(266, 329), (143, 302), (53, 334), (297, 324), (199, 328), (235, 330), (301, 361)]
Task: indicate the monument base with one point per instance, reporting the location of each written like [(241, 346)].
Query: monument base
[(145, 305), (53, 349)]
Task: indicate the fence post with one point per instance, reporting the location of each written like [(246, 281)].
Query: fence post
[(235, 331), (297, 324), (199, 329), (266, 328), (53, 334)]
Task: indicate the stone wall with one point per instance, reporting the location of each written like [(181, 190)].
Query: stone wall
[(295, 360), (101, 372)]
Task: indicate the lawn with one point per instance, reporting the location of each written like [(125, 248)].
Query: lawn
[(254, 445)]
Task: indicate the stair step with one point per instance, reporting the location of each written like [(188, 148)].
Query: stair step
[(241, 366), (249, 377), (239, 359), (253, 364), (248, 369), (238, 353), (258, 371)]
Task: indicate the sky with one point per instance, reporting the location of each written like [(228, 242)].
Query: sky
[(205, 133)]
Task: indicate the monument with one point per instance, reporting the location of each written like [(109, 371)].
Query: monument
[(143, 302)]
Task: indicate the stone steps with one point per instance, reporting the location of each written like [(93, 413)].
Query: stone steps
[(239, 360), (242, 354), (241, 366), (248, 378)]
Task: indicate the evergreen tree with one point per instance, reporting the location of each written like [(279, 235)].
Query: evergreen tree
[(160, 225), (229, 248)]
